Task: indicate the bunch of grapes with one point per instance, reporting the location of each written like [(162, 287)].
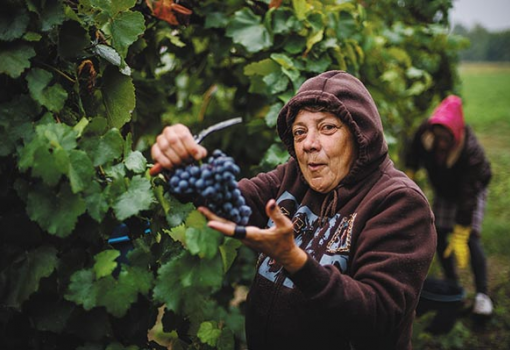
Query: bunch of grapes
[(215, 182)]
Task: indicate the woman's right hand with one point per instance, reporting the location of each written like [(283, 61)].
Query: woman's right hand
[(175, 146)]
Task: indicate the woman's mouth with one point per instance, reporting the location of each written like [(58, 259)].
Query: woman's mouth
[(315, 166)]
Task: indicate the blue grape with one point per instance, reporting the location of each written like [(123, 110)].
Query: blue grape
[(213, 183)]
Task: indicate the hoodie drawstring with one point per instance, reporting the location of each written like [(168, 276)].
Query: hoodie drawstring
[(328, 206)]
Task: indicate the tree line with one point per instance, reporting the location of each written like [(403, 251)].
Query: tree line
[(484, 45)]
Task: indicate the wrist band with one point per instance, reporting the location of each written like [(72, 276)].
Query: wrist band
[(239, 232)]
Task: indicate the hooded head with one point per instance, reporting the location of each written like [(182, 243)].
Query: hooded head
[(449, 115), (347, 98)]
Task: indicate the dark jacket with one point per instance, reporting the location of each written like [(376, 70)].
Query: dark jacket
[(459, 182), (367, 260)]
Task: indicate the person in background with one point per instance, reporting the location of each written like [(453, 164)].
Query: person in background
[(345, 239), (459, 173)]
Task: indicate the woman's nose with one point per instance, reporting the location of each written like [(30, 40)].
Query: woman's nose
[(312, 142)]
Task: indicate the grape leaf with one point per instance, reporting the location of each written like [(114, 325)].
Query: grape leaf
[(104, 149), (178, 233), (112, 56), (137, 198), (125, 29), (275, 155), (203, 242), (196, 220), (228, 251), (136, 162), (202, 273), (226, 340), (81, 171), (48, 163), (118, 295), (300, 8), (319, 65), (115, 295), (73, 40), (51, 15), (56, 213), (82, 289), (272, 114), (52, 97), (216, 20), (184, 281), (13, 23), (313, 39), (118, 97), (96, 201), (15, 122), (105, 262), (208, 333), (27, 271), (58, 135), (178, 211), (277, 82), (112, 8), (247, 30), (15, 58), (282, 19), (263, 67), (48, 153)]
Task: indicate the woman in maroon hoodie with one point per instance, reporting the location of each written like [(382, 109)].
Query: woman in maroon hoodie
[(459, 174), (345, 239)]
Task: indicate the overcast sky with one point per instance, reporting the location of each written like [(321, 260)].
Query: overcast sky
[(494, 15)]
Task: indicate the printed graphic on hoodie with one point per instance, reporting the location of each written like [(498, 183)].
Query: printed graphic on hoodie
[(329, 244)]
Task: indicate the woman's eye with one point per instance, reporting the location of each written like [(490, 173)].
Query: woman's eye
[(329, 127), (298, 132)]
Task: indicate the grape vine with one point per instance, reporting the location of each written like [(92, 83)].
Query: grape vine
[(85, 87)]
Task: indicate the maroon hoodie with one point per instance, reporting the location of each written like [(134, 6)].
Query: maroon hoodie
[(366, 261)]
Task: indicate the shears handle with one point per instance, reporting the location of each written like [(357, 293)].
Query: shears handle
[(157, 168)]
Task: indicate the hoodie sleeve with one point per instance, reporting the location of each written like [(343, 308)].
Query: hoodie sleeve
[(390, 260)]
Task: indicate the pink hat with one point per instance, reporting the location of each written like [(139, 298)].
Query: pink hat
[(449, 114)]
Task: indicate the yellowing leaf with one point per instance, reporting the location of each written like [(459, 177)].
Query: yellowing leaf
[(300, 8)]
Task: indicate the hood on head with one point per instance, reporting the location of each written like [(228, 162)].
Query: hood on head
[(449, 114), (347, 98)]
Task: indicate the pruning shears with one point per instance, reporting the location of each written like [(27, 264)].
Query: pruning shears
[(157, 168)]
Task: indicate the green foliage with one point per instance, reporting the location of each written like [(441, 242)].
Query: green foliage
[(484, 45), (86, 86)]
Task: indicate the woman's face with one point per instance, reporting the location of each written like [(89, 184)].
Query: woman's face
[(443, 143), (325, 149)]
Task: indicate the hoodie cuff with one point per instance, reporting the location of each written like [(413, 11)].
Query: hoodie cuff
[(311, 278)]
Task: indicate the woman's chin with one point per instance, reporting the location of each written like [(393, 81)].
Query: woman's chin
[(319, 186)]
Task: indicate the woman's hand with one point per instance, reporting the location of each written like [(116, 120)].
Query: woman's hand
[(277, 241), (175, 146)]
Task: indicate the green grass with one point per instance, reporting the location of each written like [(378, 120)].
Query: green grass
[(486, 96)]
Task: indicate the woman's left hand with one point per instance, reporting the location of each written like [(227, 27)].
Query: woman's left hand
[(277, 241)]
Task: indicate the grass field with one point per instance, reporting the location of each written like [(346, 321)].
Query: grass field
[(486, 97), (486, 93)]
